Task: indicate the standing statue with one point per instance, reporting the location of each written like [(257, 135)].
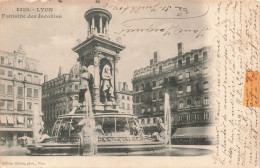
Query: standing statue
[(86, 82), (106, 84)]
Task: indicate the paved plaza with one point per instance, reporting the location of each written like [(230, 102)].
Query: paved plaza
[(173, 150)]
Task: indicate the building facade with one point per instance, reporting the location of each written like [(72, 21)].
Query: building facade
[(59, 95), (20, 95), (186, 79), (125, 100)]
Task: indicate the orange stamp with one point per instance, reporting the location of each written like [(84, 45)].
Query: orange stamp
[(252, 89)]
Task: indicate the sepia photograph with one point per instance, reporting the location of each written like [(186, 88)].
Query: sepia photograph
[(129, 83)]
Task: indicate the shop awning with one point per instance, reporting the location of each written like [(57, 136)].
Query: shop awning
[(3, 119), (10, 119), (195, 132)]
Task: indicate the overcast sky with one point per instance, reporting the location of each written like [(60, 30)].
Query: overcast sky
[(51, 40)]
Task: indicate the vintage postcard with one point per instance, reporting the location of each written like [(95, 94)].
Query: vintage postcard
[(123, 83)]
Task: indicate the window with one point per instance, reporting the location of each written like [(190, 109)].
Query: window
[(19, 105), (196, 71), (197, 87), (76, 87), (123, 97), (161, 82), (2, 60), (187, 74), (154, 96), (2, 88), (128, 98), (10, 74), (142, 86), (196, 58), (10, 61), (160, 95), (205, 85), (35, 93), (205, 70), (9, 89), (9, 105), (149, 109), (2, 72), (20, 76), (154, 108), (29, 92), (184, 117), (142, 98), (180, 76), (180, 90), (180, 104), (2, 104), (20, 63), (29, 78), (36, 79), (160, 69), (151, 120), (193, 117), (205, 55), (206, 116), (188, 102), (20, 91), (188, 88), (136, 88), (187, 60), (123, 105), (154, 70), (29, 105), (142, 110), (206, 100), (137, 99), (154, 84), (200, 116), (179, 63), (128, 106), (197, 101), (30, 122), (161, 107)]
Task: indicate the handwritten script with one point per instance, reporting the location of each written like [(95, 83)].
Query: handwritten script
[(237, 50)]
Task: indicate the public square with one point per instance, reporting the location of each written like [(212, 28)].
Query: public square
[(173, 150)]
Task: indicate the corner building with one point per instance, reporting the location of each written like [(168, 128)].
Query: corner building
[(60, 95), (20, 95), (186, 79), (125, 98)]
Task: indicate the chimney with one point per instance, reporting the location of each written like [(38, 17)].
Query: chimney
[(180, 48), (119, 86), (125, 86), (45, 78), (155, 57), (151, 61), (60, 71)]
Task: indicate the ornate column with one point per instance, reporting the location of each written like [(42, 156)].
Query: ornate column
[(93, 26), (116, 78), (100, 25), (107, 27), (88, 29), (96, 78)]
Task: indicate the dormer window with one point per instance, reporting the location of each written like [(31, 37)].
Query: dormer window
[(20, 63), (2, 60)]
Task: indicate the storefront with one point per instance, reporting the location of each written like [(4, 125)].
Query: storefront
[(9, 136), (194, 136)]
